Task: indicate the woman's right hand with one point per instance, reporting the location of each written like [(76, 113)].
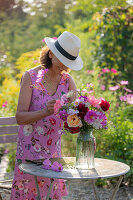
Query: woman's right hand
[(50, 107)]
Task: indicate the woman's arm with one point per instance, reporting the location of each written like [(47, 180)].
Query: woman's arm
[(22, 114), (72, 87)]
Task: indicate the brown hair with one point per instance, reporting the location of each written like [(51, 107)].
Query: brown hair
[(45, 60)]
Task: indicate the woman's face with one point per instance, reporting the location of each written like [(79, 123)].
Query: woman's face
[(56, 64)]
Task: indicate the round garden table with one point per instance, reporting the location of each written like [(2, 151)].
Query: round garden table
[(104, 168)]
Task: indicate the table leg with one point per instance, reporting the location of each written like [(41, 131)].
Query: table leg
[(37, 187), (95, 190), (116, 188), (50, 188)]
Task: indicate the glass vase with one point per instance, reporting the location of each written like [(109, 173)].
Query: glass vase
[(85, 150)]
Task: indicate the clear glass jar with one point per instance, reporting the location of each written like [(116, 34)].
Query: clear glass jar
[(85, 150)]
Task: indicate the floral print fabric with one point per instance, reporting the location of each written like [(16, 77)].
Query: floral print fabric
[(39, 140)]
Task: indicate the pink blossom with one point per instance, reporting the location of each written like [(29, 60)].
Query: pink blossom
[(46, 164), (103, 87), (55, 38), (43, 40), (93, 101), (124, 82), (91, 91), (56, 167), (89, 85), (114, 88), (4, 105), (103, 118), (63, 114), (59, 103), (130, 99), (126, 89), (64, 99), (90, 116), (114, 71), (6, 151), (105, 70), (35, 61), (123, 98), (96, 119), (90, 71)]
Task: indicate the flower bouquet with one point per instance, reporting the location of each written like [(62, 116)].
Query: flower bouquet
[(82, 116)]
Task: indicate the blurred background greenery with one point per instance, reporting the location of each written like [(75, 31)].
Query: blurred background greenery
[(106, 32)]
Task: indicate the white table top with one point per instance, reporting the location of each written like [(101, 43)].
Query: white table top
[(104, 168)]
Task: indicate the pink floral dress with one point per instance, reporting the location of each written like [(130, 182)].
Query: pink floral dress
[(39, 140)]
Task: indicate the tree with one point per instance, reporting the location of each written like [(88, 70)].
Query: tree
[(86, 8), (6, 5), (114, 29)]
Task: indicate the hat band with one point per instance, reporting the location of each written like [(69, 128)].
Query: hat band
[(63, 52)]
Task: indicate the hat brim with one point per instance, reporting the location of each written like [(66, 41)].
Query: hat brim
[(76, 64)]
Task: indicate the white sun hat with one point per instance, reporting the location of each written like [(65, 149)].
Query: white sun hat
[(66, 48)]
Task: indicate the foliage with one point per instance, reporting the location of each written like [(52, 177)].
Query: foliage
[(11, 157), (86, 8), (6, 5), (26, 61), (114, 28), (9, 94), (22, 31), (1, 151)]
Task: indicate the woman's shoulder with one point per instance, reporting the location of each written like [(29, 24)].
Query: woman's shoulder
[(30, 74), (68, 76)]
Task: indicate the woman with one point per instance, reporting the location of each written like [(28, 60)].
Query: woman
[(39, 131)]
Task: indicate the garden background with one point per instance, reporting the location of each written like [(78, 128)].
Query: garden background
[(106, 32)]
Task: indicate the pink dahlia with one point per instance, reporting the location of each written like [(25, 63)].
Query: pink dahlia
[(90, 116)]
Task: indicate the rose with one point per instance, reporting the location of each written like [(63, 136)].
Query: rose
[(74, 121), (104, 105), (71, 129), (82, 110)]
